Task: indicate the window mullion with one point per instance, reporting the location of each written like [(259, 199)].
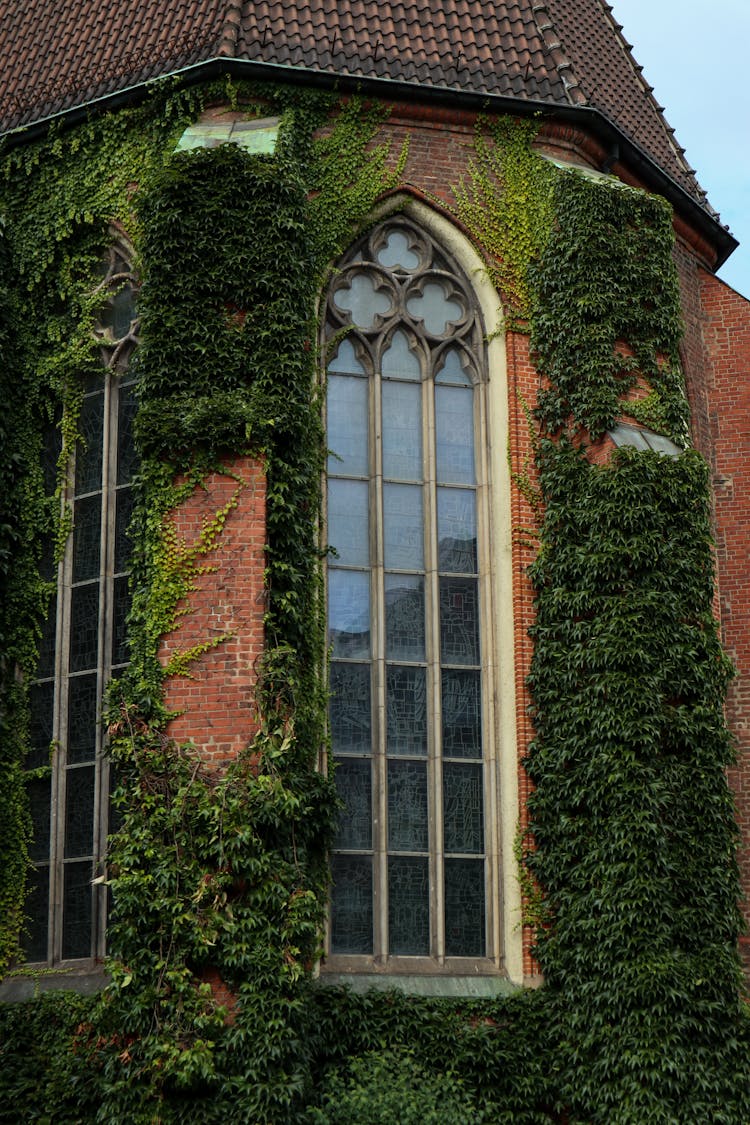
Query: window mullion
[(380, 767), (60, 726)]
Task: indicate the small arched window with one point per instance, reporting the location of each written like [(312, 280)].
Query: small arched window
[(83, 645), (414, 866)]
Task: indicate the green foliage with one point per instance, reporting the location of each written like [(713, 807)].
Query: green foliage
[(605, 279), (506, 203), (631, 814)]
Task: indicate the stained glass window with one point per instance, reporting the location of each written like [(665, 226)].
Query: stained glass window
[(405, 378), (84, 643)]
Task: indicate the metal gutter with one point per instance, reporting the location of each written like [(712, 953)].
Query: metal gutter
[(592, 120)]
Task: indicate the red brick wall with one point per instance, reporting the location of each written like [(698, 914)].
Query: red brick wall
[(726, 333), (215, 699)]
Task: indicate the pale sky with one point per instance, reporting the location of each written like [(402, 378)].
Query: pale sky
[(696, 55)]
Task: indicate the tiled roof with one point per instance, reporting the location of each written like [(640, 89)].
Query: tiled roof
[(58, 54)]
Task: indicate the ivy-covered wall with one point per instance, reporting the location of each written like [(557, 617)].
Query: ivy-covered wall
[(221, 876)]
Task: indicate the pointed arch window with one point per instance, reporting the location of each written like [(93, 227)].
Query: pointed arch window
[(415, 881), (83, 644)]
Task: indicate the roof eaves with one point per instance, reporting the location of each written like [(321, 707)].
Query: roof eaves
[(608, 132)]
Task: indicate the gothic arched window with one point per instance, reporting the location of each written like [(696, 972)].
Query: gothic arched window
[(83, 645), (414, 866)]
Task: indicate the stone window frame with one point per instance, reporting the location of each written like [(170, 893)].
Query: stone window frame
[(116, 330), (504, 957)]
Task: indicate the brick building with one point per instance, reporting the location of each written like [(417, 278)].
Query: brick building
[(430, 384)]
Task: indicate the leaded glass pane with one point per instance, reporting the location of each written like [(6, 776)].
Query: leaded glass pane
[(123, 515), (47, 563), (408, 905), (349, 612), (462, 720), (354, 786), (37, 913), (83, 699), (454, 437), (463, 813), (435, 309), (350, 708), (363, 300), (399, 361), (348, 437), (348, 521), (127, 458), (351, 907), (119, 312), (87, 537), (120, 609), (406, 704), (459, 621), (346, 359), (39, 804), (51, 449), (41, 703), (397, 252), (79, 811), (407, 806), (403, 527), (457, 530), (89, 449), (76, 939), (454, 368), (46, 662), (402, 431), (84, 627), (464, 908), (404, 617)]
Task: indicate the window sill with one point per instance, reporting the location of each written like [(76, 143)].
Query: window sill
[(474, 987), (27, 984)]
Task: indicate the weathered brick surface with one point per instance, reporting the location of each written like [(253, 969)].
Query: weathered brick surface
[(726, 333), (215, 701)]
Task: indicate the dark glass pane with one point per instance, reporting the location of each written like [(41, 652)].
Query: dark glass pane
[(354, 786), (46, 664), (51, 448), (120, 610), (89, 448), (457, 530), (350, 709), (87, 534), (76, 938), (459, 621), (41, 702), (404, 617), (349, 612), (454, 435), (402, 431), (348, 521), (84, 627), (351, 905), (348, 435), (403, 527), (83, 700), (37, 913), (407, 806), (462, 718), (127, 460), (39, 804), (47, 564), (464, 908), (406, 702), (119, 312), (463, 814), (408, 905), (79, 812), (123, 542)]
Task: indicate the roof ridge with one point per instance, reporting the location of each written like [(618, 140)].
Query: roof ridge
[(230, 29), (550, 37)]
